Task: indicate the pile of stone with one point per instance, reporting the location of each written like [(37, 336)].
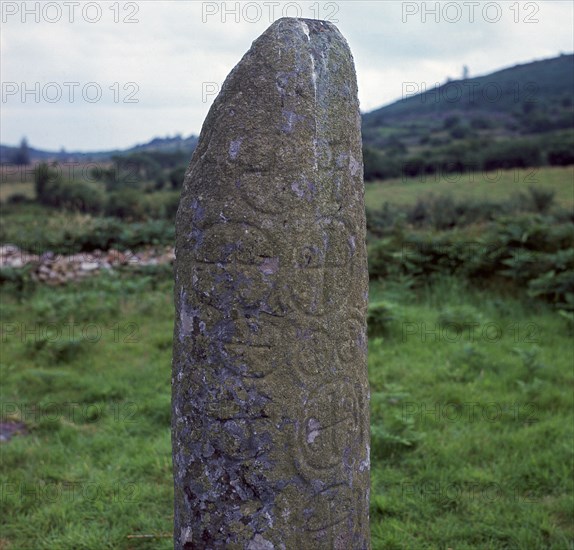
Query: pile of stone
[(52, 268)]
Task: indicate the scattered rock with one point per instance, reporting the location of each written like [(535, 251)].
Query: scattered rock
[(56, 269), (89, 266)]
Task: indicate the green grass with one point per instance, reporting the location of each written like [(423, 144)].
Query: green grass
[(9, 189), (471, 430), (95, 466), (38, 229), (495, 186), (30, 224)]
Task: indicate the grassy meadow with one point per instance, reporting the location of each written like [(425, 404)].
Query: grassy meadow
[(495, 185), (471, 374)]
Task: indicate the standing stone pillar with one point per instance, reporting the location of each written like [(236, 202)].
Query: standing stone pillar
[(270, 392)]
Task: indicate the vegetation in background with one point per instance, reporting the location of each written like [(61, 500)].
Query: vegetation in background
[(21, 155), (518, 117)]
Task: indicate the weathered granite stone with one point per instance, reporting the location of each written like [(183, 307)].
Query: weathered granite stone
[(270, 392)]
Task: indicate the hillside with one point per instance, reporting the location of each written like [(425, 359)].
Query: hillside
[(526, 98), (516, 117), (163, 145)]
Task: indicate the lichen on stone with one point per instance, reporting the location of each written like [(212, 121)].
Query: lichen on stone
[(270, 424)]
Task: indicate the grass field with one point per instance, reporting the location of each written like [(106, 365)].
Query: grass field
[(96, 465), (8, 190), (471, 434), (471, 400), (471, 428), (494, 186)]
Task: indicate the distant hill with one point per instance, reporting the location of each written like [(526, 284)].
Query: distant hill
[(529, 98), (164, 145), (519, 116)]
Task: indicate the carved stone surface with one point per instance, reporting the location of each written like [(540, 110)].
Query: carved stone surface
[(270, 392)]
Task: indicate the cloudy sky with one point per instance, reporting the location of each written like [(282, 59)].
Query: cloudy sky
[(109, 74)]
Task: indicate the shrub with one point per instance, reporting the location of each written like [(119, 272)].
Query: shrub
[(414, 166), (480, 123), (458, 316), (44, 177), (171, 206), (51, 190), (392, 432), (79, 197), (560, 149), (379, 221), (451, 122), (532, 250), (60, 350), (18, 281), (561, 156), (541, 199), (17, 198), (419, 214), (511, 154), (379, 166), (460, 132), (125, 204), (555, 286), (443, 212), (379, 315), (176, 176), (161, 205), (469, 362)]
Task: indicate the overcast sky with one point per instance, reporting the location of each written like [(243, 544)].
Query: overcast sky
[(104, 75)]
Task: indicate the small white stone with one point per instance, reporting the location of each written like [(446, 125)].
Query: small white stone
[(89, 266)]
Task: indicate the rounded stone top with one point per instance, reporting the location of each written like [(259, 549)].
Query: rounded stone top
[(318, 25), (302, 27)]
